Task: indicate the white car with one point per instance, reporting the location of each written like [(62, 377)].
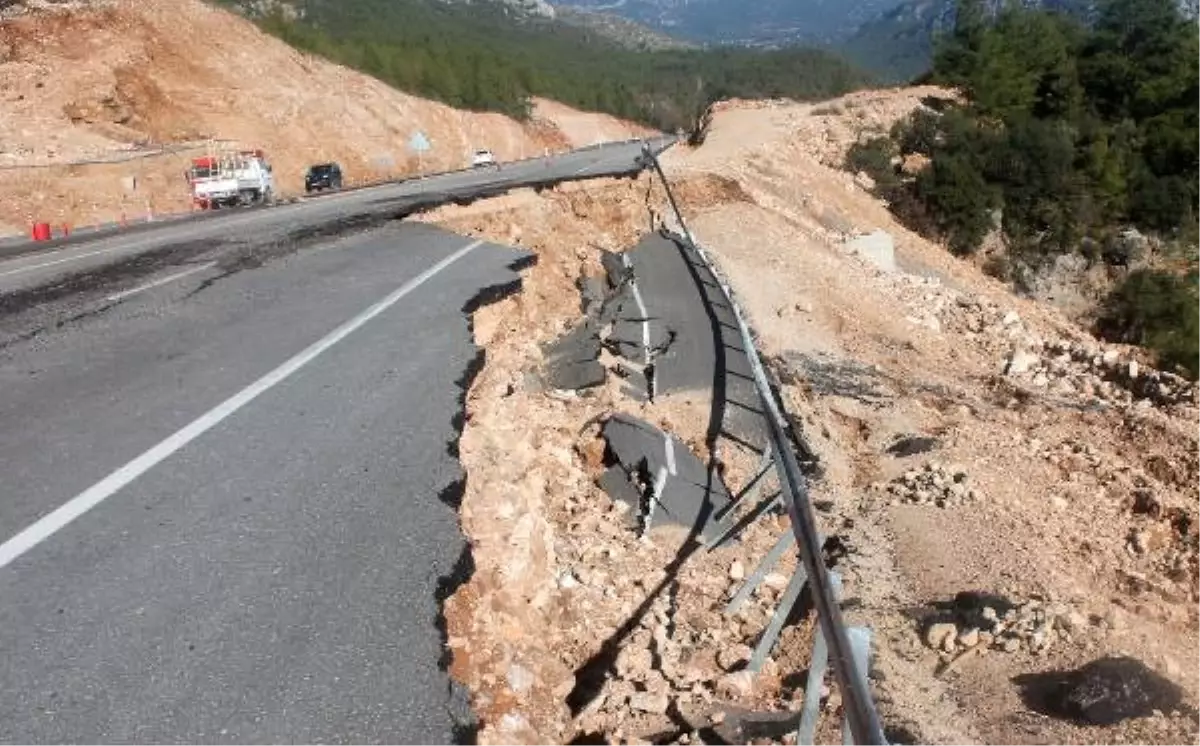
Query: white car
[(483, 159)]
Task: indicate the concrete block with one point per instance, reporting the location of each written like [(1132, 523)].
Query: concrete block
[(877, 248)]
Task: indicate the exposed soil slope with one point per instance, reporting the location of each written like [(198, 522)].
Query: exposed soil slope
[(1083, 479), (970, 442), (106, 80)]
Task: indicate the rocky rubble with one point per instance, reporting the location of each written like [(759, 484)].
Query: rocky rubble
[(1097, 371), (1080, 368), (15, 8), (1068, 363), (935, 484), (1033, 626), (689, 661)]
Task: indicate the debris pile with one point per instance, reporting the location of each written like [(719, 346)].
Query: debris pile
[(1076, 368), (1104, 692), (997, 624), (936, 484), (1096, 371)]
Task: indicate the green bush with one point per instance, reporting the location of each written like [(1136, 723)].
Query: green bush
[(1160, 311), (960, 201), (917, 133), (874, 158), (1075, 133)]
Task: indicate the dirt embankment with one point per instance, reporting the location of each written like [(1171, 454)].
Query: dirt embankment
[(1011, 499), (107, 80), (571, 625)]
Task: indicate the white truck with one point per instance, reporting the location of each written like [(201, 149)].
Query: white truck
[(242, 177)]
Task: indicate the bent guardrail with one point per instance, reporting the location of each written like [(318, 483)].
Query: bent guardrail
[(844, 647)]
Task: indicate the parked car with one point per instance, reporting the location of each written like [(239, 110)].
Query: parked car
[(484, 159), (323, 176)]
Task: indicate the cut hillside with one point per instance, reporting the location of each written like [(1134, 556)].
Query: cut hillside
[(122, 80)]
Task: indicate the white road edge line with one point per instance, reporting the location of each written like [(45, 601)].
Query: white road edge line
[(637, 297), (47, 525), (76, 257), (149, 285)]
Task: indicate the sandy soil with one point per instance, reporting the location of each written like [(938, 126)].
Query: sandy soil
[(117, 78), (1078, 468)]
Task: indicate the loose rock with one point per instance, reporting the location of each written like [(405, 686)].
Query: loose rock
[(649, 702), (737, 571), (935, 485), (937, 634)]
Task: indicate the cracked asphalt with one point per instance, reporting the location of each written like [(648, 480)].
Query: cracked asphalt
[(228, 506)]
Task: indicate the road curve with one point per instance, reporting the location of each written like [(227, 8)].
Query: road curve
[(228, 494), (31, 264)]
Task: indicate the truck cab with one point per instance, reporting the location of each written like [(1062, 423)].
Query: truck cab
[(238, 178)]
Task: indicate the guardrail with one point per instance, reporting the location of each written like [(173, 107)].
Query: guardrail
[(846, 648)]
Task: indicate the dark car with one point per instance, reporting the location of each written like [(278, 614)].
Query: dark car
[(323, 176)]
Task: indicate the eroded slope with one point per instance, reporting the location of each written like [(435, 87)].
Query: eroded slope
[(985, 463)]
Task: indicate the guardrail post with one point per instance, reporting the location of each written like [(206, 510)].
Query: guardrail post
[(786, 540), (770, 635), (860, 646)]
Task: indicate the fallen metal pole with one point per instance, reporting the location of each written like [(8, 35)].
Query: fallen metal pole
[(861, 716)]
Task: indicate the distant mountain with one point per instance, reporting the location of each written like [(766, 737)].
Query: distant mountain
[(627, 33), (754, 23), (898, 45), (496, 55)]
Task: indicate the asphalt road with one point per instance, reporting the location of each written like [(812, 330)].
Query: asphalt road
[(228, 487), (31, 264), (684, 304)]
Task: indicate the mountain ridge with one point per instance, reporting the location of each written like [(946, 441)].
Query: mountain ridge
[(494, 56), (897, 45), (763, 24)]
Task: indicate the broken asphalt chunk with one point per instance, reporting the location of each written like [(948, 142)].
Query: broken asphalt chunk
[(686, 492)]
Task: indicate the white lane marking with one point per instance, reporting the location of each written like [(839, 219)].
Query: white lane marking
[(76, 257), (637, 296), (47, 525), (660, 482), (585, 168), (149, 285), (642, 312)]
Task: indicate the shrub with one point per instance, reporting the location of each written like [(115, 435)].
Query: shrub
[(1160, 311), (874, 157), (918, 133), (960, 200)]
